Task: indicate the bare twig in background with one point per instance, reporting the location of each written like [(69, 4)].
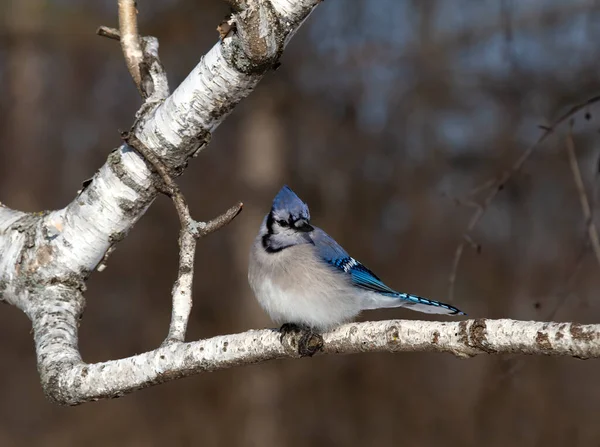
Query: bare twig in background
[(585, 204), (513, 365), (130, 39), (482, 187), (498, 185)]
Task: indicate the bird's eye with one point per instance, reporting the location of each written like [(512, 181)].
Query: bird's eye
[(283, 223)]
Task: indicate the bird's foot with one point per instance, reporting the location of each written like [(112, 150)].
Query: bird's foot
[(291, 328), (308, 343)]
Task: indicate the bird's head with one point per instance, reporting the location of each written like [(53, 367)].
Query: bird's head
[(288, 223)]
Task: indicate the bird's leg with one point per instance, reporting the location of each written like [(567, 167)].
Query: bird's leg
[(309, 342)]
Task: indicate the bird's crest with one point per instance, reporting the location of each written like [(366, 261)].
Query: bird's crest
[(288, 206)]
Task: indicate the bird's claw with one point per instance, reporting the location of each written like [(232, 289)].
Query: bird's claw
[(309, 342), (290, 328)]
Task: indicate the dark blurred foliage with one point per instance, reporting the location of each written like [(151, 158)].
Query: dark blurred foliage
[(383, 111)]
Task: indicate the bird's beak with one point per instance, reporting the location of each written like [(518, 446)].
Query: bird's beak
[(303, 226)]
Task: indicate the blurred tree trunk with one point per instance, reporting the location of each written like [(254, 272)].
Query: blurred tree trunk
[(25, 119), (262, 168)]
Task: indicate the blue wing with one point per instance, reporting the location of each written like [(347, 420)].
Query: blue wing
[(331, 252)]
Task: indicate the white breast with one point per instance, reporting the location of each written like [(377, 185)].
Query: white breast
[(294, 286)]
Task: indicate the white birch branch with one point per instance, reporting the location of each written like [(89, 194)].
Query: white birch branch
[(46, 257), (68, 380)]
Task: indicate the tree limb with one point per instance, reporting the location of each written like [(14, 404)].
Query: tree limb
[(68, 380)]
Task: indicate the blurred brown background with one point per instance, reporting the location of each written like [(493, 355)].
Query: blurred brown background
[(382, 111)]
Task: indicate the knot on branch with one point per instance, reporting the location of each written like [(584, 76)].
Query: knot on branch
[(258, 39), (474, 334), (301, 339), (154, 85)]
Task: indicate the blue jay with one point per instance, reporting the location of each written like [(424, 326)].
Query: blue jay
[(303, 278)]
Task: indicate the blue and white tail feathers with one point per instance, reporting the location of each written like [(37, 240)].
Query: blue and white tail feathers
[(378, 294), (413, 302)]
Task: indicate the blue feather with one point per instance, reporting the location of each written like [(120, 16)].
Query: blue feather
[(332, 253)]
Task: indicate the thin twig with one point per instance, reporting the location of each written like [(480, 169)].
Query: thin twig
[(468, 203), (472, 243), (170, 187), (222, 220), (130, 40), (140, 65), (482, 187), (188, 235), (585, 204), (498, 185), (140, 53), (198, 229), (111, 33)]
